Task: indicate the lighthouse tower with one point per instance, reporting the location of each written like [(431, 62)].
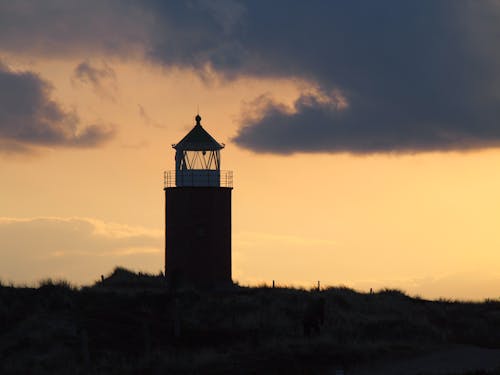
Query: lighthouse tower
[(198, 214)]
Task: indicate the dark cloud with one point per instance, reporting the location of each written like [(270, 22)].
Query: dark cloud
[(315, 126), (101, 79), (57, 28), (416, 76), (30, 118)]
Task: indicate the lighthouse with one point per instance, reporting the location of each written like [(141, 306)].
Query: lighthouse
[(198, 214)]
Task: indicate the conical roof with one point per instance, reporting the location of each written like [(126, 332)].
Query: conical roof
[(198, 139)]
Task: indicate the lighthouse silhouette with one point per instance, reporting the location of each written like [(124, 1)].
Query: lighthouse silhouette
[(198, 214)]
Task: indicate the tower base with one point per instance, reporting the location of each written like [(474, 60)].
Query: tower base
[(198, 237)]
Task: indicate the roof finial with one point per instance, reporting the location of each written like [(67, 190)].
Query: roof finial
[(198, 119)]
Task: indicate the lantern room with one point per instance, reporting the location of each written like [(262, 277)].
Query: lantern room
[(197, 158)]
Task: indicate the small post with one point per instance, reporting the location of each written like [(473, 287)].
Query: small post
[(319, 287), (273, 284)]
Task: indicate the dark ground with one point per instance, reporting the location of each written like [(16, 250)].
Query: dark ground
[(129, 323)]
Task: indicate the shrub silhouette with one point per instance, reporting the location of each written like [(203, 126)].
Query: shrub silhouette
[(130, 323), (314, 316)]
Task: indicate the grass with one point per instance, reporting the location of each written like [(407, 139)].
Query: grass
[(129, 323), (59, 283)]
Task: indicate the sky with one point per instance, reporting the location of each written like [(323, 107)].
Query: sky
[(364, 137)]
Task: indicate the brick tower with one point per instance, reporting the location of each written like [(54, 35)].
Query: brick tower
[(198, 214)]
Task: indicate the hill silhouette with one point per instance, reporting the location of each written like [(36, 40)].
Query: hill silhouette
[(129, 323)]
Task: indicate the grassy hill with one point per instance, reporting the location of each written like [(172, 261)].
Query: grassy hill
[(129, 323)]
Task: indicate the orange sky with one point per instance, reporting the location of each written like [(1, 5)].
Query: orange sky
[(425, 223)]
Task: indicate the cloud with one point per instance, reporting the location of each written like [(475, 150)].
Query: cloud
[(415, 76), (58, 28), (30, 118), (74, 248), (146, 119), (315, 126), (411, 75), (101, 79)]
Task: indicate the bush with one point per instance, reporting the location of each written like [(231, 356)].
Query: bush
[(59, 283)]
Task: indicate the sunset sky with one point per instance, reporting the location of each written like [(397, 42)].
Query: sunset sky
[(364, 137)]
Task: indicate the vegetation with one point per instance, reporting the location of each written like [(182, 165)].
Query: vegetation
[(129, 323)]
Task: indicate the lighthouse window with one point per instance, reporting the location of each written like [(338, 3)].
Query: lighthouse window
[(196, 160)]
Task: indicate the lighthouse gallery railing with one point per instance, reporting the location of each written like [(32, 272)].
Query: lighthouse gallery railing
[(201, 178)]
